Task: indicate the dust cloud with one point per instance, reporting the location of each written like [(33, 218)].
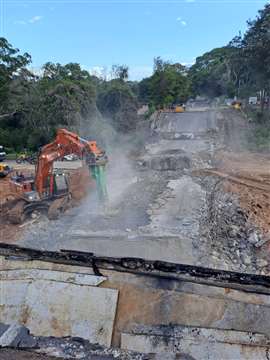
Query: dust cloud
[(120, 172)]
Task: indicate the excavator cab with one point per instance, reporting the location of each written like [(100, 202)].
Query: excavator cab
[(60, 184)]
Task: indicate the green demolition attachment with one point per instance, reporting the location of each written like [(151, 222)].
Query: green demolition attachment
[(98, 173)]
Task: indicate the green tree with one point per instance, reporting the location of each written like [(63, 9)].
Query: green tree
[(120, 72), (168, 85), (256, 43), (117, 103), (12, 65), (213, 75)]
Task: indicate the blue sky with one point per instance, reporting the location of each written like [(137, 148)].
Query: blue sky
[(97, 34)]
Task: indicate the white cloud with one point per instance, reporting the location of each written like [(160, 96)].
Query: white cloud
[(20, 22), (135, 72), (35, 19), (182, 22), (99, 71), (36, 70), (188, 63)]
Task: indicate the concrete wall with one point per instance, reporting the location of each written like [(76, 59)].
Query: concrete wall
[(65, 300)]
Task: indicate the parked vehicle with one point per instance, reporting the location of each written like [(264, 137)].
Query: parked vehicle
[(4, 170), (71, 157), (2, 153), (24, 158), (253, 100)]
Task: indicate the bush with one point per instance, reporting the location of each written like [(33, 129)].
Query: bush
[(11, 156), (259, 139)]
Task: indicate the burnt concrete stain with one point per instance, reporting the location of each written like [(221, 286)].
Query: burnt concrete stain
[(158, 269)]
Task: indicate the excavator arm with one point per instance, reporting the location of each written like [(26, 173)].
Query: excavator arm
[(66, 143)]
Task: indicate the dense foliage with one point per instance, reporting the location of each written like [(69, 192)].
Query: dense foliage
[(239, 69), (168, 85), (33, 107)]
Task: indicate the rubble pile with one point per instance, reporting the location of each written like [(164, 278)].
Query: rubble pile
[(16, 337), (172, 160), (233, 239), (251, 185)]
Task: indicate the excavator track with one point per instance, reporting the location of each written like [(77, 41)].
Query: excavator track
[(16, 214), (57, 207), (20, 210)]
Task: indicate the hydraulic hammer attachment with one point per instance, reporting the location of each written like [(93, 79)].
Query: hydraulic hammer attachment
[(98, 173), (97, 166)]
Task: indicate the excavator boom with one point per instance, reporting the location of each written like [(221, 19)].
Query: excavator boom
[(65, 143)]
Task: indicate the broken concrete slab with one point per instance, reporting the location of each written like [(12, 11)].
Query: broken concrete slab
[(212, 343), (150, 292), (189, 147), (182, 209), (203, 333), (56, 305), (160, 245), (13, 335), (14, 257), (169, 356), (3, 328), (189, 122), (171, 160), (50, 275)]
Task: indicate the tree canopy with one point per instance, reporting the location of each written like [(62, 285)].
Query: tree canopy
[(32, 107), (168, 85), (240, 68)]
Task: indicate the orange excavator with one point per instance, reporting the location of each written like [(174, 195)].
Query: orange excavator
[(49, 190)]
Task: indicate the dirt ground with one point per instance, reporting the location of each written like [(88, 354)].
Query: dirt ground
[(251, 182), (8, 232)]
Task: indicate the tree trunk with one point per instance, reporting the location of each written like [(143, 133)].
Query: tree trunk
[(262, 100)]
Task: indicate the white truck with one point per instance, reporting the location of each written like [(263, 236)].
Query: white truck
[(253, 100), (2, 153)]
